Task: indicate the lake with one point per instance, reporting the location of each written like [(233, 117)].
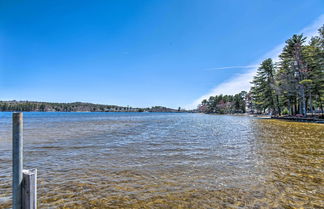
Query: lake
[(167, 160)]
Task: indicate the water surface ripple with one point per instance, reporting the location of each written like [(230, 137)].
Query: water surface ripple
[(165, 160)]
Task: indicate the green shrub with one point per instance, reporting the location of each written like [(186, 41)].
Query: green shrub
[(285, 111)]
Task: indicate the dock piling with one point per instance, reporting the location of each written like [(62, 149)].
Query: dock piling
[(17, 159), (29, 189), (24, 182)]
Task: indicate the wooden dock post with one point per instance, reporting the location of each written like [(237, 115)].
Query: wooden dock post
[(24, 182), (29, 189), (17, 159)]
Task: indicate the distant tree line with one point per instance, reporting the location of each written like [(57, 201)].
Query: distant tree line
[(224, 104), (31, 106), (55, 107), (292, 85)]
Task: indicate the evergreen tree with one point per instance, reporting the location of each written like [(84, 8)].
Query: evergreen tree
[(263, 90)]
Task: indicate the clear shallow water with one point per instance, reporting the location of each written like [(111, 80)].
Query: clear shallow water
[(160, 160)]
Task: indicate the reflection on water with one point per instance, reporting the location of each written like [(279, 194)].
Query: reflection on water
[(159, 160)]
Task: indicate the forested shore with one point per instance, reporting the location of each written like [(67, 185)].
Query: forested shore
[(32, 106), (293, 85)]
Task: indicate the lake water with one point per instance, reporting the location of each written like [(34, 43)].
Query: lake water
[(167, 160)]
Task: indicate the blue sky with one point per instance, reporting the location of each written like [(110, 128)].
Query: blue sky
[(141, 53)]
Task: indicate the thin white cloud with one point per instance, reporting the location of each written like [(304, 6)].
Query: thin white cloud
[(241, 82), (232, 67)]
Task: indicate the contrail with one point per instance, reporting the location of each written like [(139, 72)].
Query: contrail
[(232, 67)]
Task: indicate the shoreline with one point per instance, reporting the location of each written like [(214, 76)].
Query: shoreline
[(299, 119), (286, 118)]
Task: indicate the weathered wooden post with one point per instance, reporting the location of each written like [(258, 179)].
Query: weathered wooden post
[(29, 189), (24, 182), (17, 159)]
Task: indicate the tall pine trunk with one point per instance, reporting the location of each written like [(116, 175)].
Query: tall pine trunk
[(303, 101), (289, 107), (311, 102)]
